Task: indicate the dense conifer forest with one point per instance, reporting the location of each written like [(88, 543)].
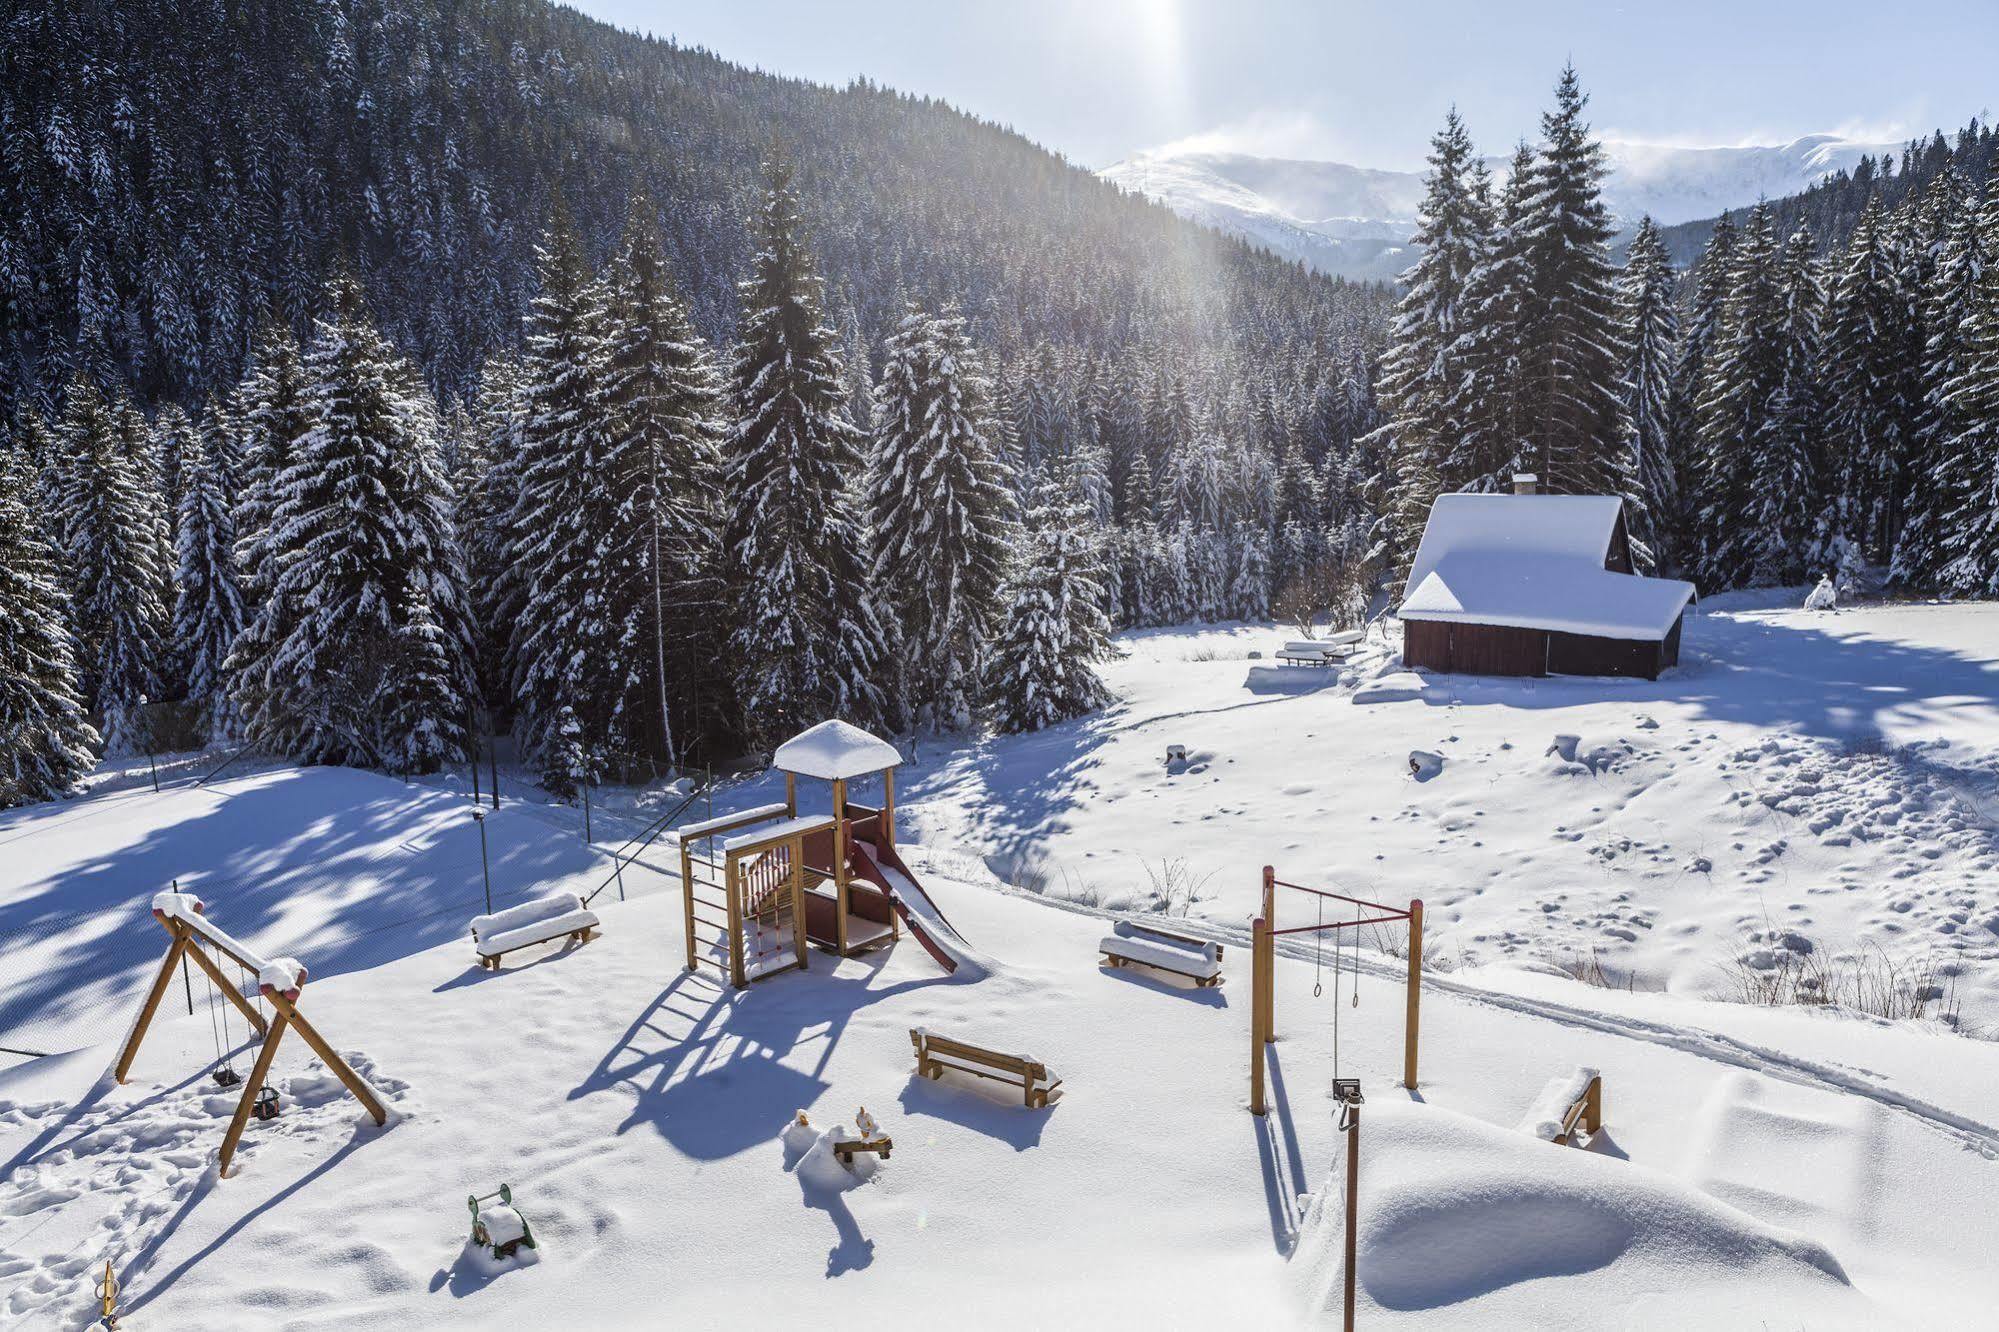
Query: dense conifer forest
[(380, 373)]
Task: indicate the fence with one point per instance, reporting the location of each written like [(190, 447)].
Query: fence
[(71, 979)]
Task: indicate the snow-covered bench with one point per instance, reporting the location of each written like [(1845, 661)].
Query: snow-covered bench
[(530, 923), (1322, 651), (1570, 1102), (1183, 954), (934, 1054)]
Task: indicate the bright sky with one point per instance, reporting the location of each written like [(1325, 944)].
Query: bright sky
[(1368, 81)]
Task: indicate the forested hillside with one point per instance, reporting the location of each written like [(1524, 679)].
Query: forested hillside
[(1831, 208), (490, 259)]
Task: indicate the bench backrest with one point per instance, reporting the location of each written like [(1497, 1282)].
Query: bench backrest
[(926, 1043), (527, 913), (1132, 929)]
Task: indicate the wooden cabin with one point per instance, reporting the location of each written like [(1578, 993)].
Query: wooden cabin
[(1532, 584)]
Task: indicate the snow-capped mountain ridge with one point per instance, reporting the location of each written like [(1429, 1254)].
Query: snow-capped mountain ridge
[(1356, 221)]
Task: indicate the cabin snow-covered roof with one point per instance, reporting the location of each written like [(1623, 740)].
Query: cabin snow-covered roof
[(835, 751), (1535, 562)]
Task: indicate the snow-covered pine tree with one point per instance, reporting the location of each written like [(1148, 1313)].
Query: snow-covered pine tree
[(807, 642), (1943, 477), (1699, 331), (208, 609), (271, 417), (1971, 406), (485, 503), (943, 516), (1755, 475), (113, 527), (46, 741), (169, 439), (1042, 666), (363, 507), (1422, 372), (423, 729), (570, 661), (1651, 321), (1498, 297), (662, 399), (1571, 343), (1869, 388)]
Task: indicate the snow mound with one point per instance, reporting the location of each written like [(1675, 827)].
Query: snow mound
[(1425, 764), (1460, 1216)]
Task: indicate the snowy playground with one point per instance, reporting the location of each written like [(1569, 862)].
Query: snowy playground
[(1803, 788)]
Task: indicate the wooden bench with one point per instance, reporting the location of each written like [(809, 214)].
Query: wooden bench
[(934, 1054), (1197, 959), (1322, 651), (530, 923), (1571, 1103)]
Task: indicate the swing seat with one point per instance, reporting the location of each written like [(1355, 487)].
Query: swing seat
[(1182, 954)]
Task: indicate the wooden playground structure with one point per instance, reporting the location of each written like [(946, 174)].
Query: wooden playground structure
[(1263, 995), (760, 885), (278, 984)]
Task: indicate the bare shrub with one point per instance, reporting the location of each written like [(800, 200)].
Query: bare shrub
[(1866, 980), (1334, 587), (1175, 886)]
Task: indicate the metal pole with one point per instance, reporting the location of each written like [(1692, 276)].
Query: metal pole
[(156, 772), (586, 813), (485, 869), (472, 742), (1269, 987), (1259, 936), (1353, 1201), (493, 768)]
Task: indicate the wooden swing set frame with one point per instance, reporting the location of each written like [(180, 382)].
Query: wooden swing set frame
[(189, 936), (1263, 995)]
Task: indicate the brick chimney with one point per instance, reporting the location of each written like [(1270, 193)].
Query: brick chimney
[(1524, 483)]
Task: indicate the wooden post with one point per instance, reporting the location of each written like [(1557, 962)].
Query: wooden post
[(1259, 935), (288, 1012), (798, 899), (1593, 1106), (251, 1085), (840, 867), (1413, 1016), (1270, 949), (888, 812), (153, 997), (1353, 1203), (229, 991), (687, 897), (732, 876), (791, 794)]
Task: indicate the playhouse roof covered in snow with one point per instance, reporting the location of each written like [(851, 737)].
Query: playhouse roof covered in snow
[(1535, 562), (834, 751)]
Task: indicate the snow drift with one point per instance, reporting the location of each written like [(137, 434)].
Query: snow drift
[(1460, 1217)]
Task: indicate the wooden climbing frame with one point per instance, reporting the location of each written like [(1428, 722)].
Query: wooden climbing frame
[(1263, 995), (191, 937)]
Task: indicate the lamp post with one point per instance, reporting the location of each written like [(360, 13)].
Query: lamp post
[(485, 869)]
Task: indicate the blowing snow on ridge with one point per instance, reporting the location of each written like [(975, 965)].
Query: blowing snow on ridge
[(1356, 221)]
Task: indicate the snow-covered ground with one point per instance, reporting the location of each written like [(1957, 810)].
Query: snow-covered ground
[(1761, 1166)]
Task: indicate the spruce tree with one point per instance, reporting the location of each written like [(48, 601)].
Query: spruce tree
[(1700, 330), (1571, 343), (1651, 323), (943, 517), (807, 642), (1499, 297), (1042, 665), (1871, 424), (663, 401), (208, 610), (272, 417), (1970, 402), (362, 508), (1944, 477), (566, 662), (46, 741), (113, 528), (1423, 370)]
